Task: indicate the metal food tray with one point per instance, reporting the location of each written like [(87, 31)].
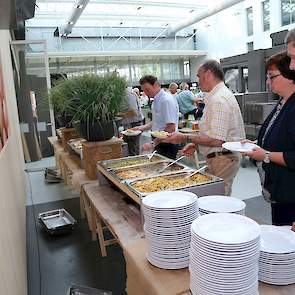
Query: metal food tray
[(57, 221), (82, 290), (76, 150), (58, 133), (106, 164), (214, 186), (153, 170)]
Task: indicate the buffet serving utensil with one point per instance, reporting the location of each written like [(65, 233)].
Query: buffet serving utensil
[(152, 154), (171, 164), (197, 171)]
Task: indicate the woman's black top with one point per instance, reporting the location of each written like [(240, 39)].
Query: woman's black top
[(280, 180)]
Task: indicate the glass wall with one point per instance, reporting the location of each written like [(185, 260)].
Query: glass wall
[(249, 14), (165, 70), (288, 12), (265, 15)]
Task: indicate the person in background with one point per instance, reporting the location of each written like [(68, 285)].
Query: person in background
[(221, 121), (137, 92), (144, 99), (290, 41), (132, 117), (173, 88), (187, 101), (164, 115), (276, 139)]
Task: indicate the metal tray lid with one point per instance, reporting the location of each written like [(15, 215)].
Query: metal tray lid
[(82, 290), (56, 219)]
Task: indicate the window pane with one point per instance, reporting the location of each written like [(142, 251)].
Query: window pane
[(249, 12), (286, 11), (265, 15), (250, 46), (292, 8)]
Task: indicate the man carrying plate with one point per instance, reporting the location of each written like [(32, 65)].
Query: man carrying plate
[(164, 115), (221, 122)]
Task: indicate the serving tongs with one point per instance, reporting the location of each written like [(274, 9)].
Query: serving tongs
[(152, 154), (171, 164), (197, 171)]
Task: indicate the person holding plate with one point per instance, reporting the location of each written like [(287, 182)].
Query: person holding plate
[(276, 155), (221, 121), (132, 117), (164, 116)]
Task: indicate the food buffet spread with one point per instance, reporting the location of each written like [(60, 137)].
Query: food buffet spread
[(140, 175), (276, 261)]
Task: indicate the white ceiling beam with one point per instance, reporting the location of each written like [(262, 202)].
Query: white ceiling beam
[(176, 4), (74, 16), (117, 16), (55, 19), (137, 53), (202, 15)]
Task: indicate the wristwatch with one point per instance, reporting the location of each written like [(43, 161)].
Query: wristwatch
[(188, 139), (266, 157)]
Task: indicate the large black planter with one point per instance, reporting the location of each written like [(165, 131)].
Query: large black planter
[(98, 131), (64, 121)]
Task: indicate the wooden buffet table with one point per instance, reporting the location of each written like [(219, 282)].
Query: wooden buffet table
[(69, 165), (105, 207), (145, 279)]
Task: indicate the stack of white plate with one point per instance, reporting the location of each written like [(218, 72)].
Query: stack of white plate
[(221, 204), (277, 256), (224, 255), (167, 220)]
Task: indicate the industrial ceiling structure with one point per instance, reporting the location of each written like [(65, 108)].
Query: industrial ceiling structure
[(116, 13), (118, 31)]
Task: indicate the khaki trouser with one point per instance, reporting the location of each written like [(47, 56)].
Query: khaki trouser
[(226, 167)]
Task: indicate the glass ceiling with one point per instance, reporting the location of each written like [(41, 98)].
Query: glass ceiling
[(117, 13)]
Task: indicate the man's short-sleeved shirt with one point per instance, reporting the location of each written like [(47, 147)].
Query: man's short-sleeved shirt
[(222, 118), (165, 111), (186, 101)]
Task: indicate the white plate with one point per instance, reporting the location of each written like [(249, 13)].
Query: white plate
[(169, 199), (276, 239), (226, 228), (131, 132), (221, 204), (173, 213), (167, 265), (236, 146)]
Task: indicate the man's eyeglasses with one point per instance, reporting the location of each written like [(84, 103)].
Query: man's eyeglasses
[(270, 77)]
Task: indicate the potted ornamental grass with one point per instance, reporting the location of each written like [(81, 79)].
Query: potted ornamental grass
[(59, 95), (92, 103)]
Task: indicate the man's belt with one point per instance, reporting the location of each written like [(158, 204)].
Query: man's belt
[(215, 154)]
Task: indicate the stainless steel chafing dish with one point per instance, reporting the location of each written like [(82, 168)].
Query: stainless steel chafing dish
[(146, 170), (212, 185), (76, 145), (131, 162)]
